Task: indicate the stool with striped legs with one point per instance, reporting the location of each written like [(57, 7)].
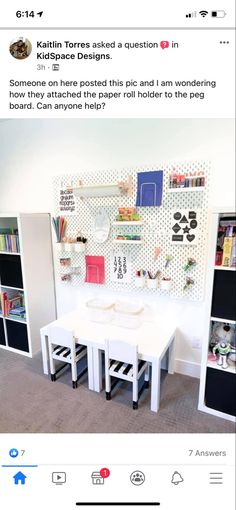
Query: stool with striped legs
[(121, 362), (62, 347)]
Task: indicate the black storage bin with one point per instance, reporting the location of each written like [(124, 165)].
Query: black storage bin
[(10, 271), (17, 335), (2, 333), (220, 391), (224, 295)]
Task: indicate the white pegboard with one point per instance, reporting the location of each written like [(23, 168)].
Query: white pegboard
[(155, 231)]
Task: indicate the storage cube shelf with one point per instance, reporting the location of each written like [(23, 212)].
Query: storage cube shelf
[(218, 384), (230, 369), (219, 388), (224, 268), (12, 305), (11, 271), (9, 253), (27, 296), (9, 236), (223, 296), (219, 319)]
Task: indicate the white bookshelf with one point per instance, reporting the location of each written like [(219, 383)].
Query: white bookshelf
[(29, 272), (217, 385)]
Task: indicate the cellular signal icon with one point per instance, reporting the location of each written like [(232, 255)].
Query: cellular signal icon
[(191, 14), (203, 13)]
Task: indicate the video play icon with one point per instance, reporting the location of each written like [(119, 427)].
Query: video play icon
[(59, 477)]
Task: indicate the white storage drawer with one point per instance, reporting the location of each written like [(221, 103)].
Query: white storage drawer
[(127, 315), (99, 310)]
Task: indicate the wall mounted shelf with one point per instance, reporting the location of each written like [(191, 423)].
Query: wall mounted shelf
[(103, 190), (128, 223), (122, 241), (186, 190)]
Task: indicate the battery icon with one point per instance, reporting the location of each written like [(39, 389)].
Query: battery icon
[(218, 14)]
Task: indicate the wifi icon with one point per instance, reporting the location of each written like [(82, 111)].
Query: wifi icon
[(203, 13)]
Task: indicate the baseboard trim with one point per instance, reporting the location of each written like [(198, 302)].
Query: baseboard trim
[(187, 368)]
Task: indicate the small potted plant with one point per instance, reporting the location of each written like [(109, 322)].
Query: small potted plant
[(189, 282), (190, 264), (169, 258), (166, 283)]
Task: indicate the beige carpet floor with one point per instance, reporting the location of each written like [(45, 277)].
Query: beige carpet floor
[(30, 402)]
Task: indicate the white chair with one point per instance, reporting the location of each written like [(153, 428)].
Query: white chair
[(121, 362), (62, 347)]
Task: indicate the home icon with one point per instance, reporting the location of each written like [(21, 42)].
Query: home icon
[(19, 478), (97, 478)]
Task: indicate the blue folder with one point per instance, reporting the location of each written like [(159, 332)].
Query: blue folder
[(149, 192)]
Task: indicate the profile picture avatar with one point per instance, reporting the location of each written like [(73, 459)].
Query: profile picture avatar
[(20, 48)]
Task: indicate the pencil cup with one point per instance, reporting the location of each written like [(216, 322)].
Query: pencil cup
[(79, 247), (166, 284), (139, 281), (69, 247), (59, 246), (152, 283)]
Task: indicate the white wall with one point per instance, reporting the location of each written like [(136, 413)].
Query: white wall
[(32, 151)]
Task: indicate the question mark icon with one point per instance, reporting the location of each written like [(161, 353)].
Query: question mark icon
[(165, 44)]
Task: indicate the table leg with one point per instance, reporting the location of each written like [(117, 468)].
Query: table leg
[(155, 385), (171, 357), (97, 369), (90, 367), (44, 347)]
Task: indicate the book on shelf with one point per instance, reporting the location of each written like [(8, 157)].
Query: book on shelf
[(13, 305), (3, 302), (9, 240), (18, 311), (226, 243)]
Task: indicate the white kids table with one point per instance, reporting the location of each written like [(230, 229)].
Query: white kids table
[(153, 338)]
